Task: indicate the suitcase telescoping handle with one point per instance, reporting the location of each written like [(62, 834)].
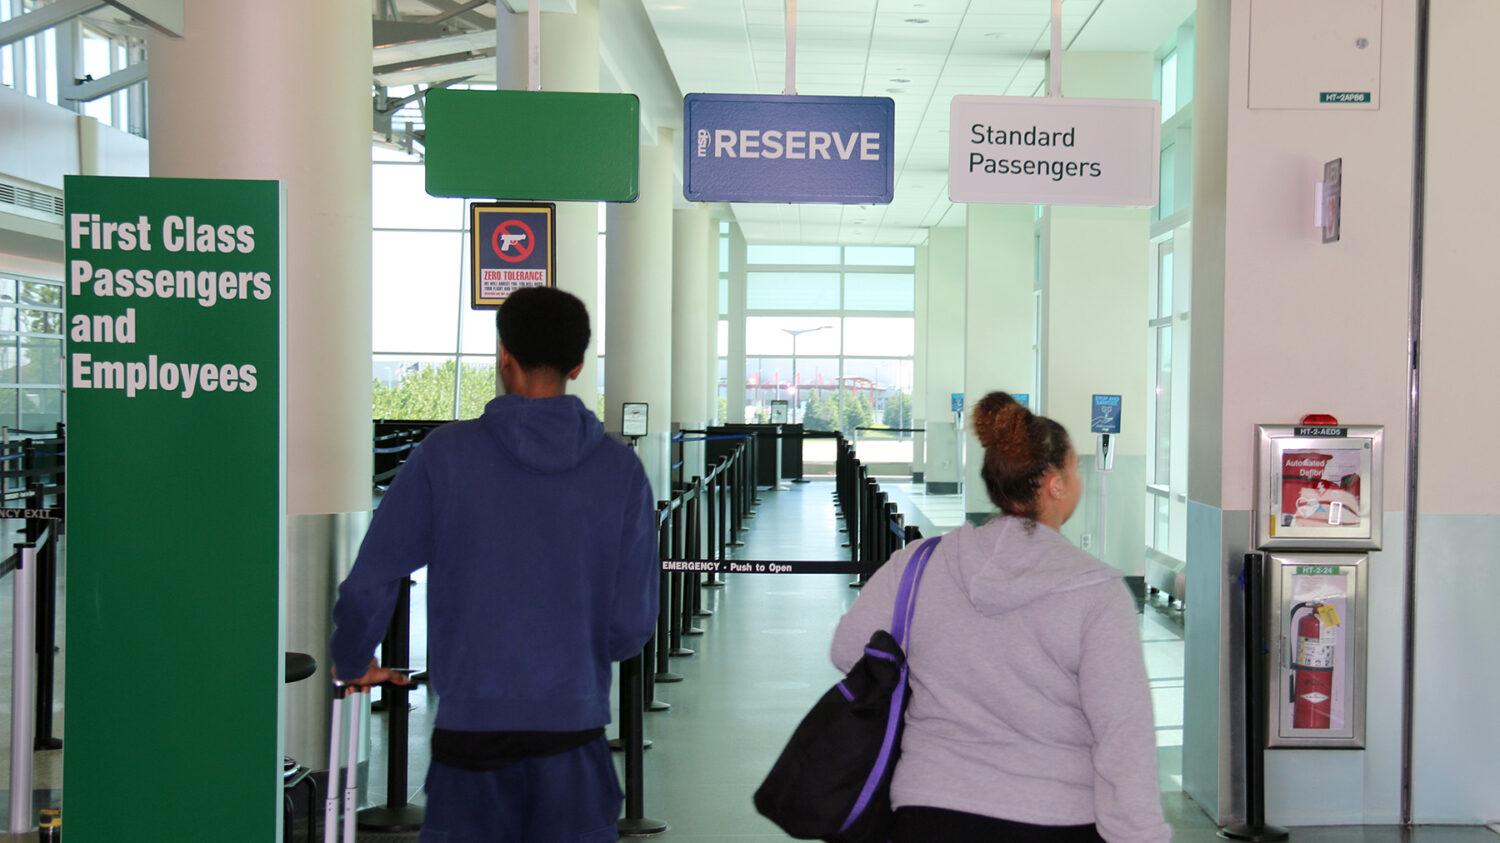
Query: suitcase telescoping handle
[(351, 784)]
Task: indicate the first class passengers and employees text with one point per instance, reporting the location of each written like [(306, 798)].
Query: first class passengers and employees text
[(175, 235)]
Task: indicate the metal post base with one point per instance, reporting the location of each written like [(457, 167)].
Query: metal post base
[(679, 653), (713, 585), (800, 482), (45, 744), (1256, 834), (703, 613), (658, 705), (401, 818), (640, 827), (736, 543), (668, 677), (616, 746), (692, 630), (856, 584)]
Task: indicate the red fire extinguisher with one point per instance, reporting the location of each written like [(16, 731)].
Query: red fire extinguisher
[(1312, 671)]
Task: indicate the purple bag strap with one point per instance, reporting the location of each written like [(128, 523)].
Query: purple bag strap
[(906, 596), (906, 604)]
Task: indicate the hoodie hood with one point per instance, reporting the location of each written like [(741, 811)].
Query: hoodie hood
[(544, 435), (1010, 563)]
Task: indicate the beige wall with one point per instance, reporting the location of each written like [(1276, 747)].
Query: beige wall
[(1310, 327), (1461, 346)]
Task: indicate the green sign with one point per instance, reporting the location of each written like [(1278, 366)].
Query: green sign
[(174, 509), (1344, 97), (1318, 570), (555, 147)]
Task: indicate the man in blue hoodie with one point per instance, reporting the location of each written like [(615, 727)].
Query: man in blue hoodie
[(539, 536)]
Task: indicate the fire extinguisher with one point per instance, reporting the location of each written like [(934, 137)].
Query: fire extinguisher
[(1312, 671)]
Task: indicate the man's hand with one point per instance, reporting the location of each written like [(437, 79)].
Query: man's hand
[(376, 675)]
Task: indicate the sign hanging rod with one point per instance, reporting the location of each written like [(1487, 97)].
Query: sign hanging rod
[(1054, 61), (791, 48), (534, 46)]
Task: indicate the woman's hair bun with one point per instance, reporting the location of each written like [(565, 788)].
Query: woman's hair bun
[(1002, 423)]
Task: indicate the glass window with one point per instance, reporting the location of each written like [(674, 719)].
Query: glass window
[(794, 254), (400, 200), (785, 335), (1164, 282), (723, 296), (476, 386), (880, 256), (40, 409), (1162, 468), (723, 254), (792, 291), (1169, 86), (723, 337), (879, 336), (418, 276), (886, 291), (1167, 204), (1161, 529), (414, 387)]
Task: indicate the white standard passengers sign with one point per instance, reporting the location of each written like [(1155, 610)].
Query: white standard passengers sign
[(1054, 151)]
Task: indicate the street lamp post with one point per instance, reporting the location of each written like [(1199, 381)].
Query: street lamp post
[(795, 333)]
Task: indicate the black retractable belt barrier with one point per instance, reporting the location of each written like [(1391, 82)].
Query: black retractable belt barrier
[(664, 637), (1255, 828), (632, 738), (397, 814), (679, 623), (695, 545), (715, 506), (46, 586), (682, 531)]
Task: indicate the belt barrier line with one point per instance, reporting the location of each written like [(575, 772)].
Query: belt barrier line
[(23, 655)]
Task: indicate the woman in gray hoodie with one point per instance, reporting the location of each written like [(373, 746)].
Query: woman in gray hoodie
[(1030, 714)]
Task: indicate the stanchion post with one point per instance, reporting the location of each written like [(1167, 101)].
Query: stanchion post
[(397, 814), (695, 546), (23, 651), (681, 535), (632, 737), (678, 623), (664, 604), (46, 642), (736, 497)]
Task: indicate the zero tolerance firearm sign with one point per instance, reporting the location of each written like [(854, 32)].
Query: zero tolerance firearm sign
[(175, 499)]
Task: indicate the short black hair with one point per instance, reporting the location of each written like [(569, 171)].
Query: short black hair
[(544, 328)]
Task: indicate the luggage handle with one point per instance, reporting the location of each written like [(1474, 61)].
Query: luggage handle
[(350, 795)]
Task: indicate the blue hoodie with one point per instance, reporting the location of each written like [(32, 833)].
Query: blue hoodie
[(539, 534)]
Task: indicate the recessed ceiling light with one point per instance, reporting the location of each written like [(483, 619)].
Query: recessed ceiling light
[(901, 81), (895, 90), (916, 20)]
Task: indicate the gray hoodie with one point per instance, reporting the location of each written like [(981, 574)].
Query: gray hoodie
[(1029, 698)]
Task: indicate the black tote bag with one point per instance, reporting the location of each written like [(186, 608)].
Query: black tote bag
[(833, 780)]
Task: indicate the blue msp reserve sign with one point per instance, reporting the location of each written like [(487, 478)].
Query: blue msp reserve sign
[(1106, 415), (755, 148), (512, 247)]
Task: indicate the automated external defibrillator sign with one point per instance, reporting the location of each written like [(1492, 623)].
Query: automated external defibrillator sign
[(512, 247), (789, 149)]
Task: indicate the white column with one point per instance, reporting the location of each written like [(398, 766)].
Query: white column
[(945, 356), (638, 305), (919, 370), (711, 313), (231, 99), (737, 291), (570, 62), (690, 338), (1000, 284)]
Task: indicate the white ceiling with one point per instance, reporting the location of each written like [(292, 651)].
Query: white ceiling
[(918, 52)]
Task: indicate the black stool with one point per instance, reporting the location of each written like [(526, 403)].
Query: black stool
[(299, 666)]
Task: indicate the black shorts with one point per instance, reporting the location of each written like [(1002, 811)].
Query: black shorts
[(922, 825)]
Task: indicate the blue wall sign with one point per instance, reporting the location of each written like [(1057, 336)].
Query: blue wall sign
[(755, 148), (512, 247), (1106, 415), (1022, 398), (956, 400)]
